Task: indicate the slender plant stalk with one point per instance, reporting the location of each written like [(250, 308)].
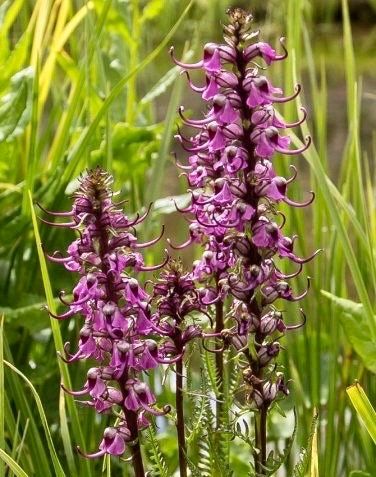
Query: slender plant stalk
[(262, 443), (180, 419), (256, 454), (260, 425), (137, 462), (138, 465), (175, 297), (259, 455), (131, 418)]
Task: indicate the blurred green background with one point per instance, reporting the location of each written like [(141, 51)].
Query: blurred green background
[(87, 83)]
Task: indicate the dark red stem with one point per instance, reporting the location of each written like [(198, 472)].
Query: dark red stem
[(138, 465), (130, 416), (180, 419)]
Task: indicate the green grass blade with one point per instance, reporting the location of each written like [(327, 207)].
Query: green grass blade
[(314, 464), (55, 460), (38, 456), (73, 413), (63, 134), (2, 395), (153, 191), (12, 464), (65, 434), (327, 191), (85, 137), (349, 61), (17, 450), (363, 408), (31, 140)]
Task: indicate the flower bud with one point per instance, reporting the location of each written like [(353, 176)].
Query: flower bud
[(266, 353)]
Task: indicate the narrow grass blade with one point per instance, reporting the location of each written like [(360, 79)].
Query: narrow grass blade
[(107, 465), (31, 143), (314, 465), (76, 426), (153, 191), (42, 10), (330, 198), (17, 450), (2, 395), (18, 399), (363, 408), (65, 434), (11, 15), (116, 90), (63, 133), (60, 37), (14, 431), (12, 464), (55, 460)]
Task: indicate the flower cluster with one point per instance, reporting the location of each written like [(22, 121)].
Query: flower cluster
[(235, 192), (115, 308), (176, 297)]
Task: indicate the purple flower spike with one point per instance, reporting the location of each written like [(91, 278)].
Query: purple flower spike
[(235, 194), (175, 296), (117, 317)]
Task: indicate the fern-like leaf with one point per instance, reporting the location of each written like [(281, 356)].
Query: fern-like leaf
[(202, 416), (158, 464), (210, 369), (274, 462), (205, 460), (302, 466), (195, 471)]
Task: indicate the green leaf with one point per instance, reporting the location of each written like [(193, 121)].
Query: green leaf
[(314, 463), (2, 394), (363, 408), (15, 106), (73, 413), (355, 325), (124, 139), (3, 9), (276, 460), (306, 454), (161, 86), (359, 473), (88, 132), (330, 196), (123, 134), (12, 228), (15, 60), (55, 460), (12, 464), (30, 317), (152, 9), (157, 460)]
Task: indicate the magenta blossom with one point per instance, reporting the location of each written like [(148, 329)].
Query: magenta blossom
[(235, 191), (115, 308)]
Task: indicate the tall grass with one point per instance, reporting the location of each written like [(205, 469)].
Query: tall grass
[(81, 85)]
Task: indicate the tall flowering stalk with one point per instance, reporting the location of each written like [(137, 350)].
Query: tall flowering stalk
[(176, 297), (233, 210), (116, 314)]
